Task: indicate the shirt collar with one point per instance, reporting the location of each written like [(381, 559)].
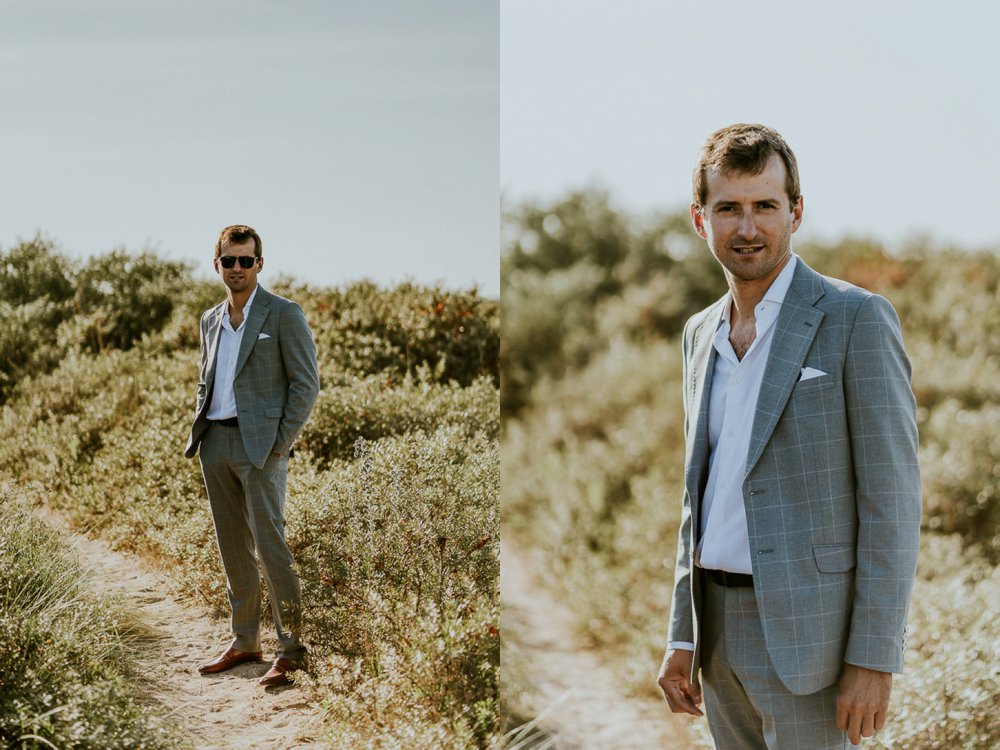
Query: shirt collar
[(779, 287), (246, 306)]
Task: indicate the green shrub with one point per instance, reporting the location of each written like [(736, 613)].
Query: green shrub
[(28, 340), (64, 652), (399, 557), (34, 270), (960, 466), (381, 405), (562, 264), (363, 330), (122, 296), (48, 310), (950, 661), (35, 290)]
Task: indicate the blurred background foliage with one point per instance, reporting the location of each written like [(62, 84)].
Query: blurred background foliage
[(393, 495), (593, 303)]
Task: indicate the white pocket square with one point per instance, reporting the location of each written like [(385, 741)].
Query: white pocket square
[(808, 373), (266, 336)]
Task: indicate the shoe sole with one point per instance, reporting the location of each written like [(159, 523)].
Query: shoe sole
[(216, 670)]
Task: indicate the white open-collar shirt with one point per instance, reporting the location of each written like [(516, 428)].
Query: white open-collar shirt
[(723, 541), (223, 404)]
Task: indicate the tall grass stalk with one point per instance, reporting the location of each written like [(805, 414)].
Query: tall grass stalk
[(64, 649)]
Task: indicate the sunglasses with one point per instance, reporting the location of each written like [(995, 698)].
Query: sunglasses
[(246, 261)]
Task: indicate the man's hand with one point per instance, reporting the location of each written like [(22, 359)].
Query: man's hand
[(862, 701), (681, 695)]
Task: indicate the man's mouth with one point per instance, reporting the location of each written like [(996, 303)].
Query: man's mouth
[(748, 250)]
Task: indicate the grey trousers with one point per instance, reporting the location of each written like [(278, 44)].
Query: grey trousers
[(248, 508), (747, 705)]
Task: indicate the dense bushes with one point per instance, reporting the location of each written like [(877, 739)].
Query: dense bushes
[(123, 296), (382, 405), (565, 262), (64, 651), (48, 308), (34, 299), (399, 557), (362, 330)]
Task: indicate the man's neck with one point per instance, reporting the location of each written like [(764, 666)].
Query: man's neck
[(748, 294), (238, 300)]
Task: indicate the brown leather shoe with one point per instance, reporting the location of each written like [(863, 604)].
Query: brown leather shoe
[(277, 675), (228, 660)]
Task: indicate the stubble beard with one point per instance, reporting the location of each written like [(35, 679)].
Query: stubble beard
[(757, 266), (238, 285)]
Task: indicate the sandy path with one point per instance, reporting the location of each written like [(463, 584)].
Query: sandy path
[(586, 708), (219, 712)]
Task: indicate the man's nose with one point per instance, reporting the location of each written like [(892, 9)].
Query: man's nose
[(747, 228)]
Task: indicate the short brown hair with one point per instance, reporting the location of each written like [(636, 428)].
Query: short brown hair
[(237, 234), (744, 149)]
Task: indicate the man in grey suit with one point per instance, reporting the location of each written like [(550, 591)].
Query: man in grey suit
[(258, 383), (801, 509)]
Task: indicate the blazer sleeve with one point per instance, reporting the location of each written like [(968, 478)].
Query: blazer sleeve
[(681, 626), (881, 415), (298, 357)]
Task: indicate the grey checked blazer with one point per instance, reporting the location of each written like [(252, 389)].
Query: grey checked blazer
[(276, 381), (832, 486)]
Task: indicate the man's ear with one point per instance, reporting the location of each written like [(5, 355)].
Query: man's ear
[(698, 219), (797, 213)]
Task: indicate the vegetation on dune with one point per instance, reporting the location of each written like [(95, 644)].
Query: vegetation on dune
[(592, 449), (392, 498), (64, 650)]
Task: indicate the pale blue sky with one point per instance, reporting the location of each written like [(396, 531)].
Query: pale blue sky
[(361, 139), (891, 106)]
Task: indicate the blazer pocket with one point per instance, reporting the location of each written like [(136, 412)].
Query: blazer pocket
[(815, 384), (835, 558), (274, 412)]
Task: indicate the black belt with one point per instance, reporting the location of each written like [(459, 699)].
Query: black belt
[(727, 579), (231, 422)]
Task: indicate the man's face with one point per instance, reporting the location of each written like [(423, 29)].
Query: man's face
[(748, 221), (237, 278)]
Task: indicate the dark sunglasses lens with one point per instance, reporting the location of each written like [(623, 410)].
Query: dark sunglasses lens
[(228, 261)]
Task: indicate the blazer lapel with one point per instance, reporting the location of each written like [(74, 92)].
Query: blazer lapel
[(214, 329), (698, 390), (794, 332), (255, 321)]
